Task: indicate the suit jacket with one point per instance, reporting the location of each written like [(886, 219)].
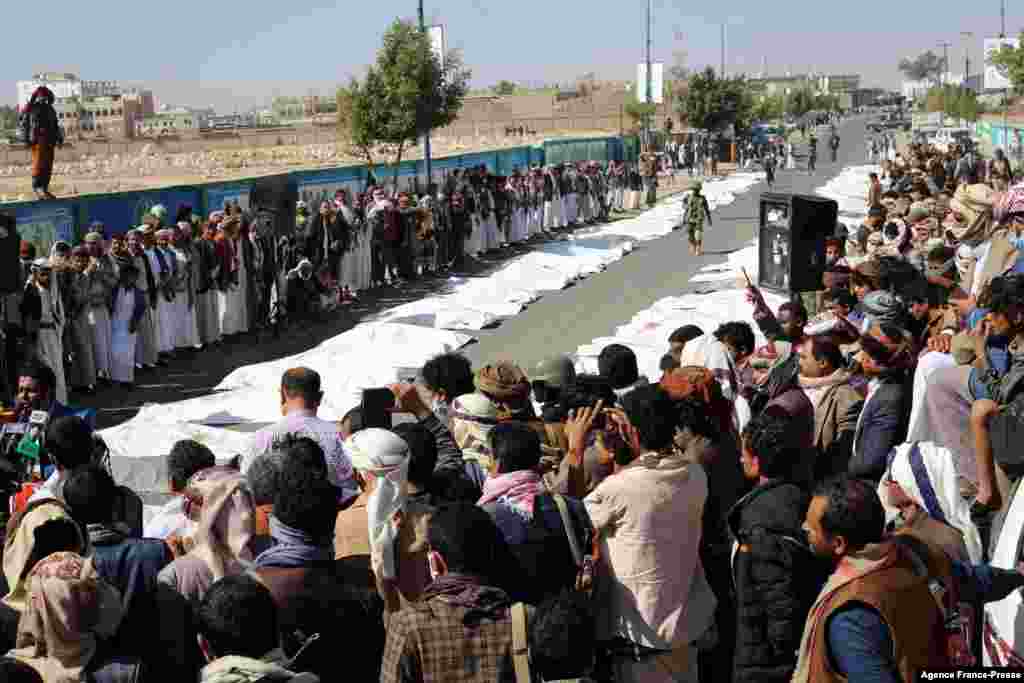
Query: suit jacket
[(835, 422), (881, 426)]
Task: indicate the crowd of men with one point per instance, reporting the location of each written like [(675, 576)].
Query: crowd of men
[(823, 507), (122, 302)]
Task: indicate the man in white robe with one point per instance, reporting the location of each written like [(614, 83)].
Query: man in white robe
[(165, 268), (186, 333), (147, 352), (103, 280), (128, 306)]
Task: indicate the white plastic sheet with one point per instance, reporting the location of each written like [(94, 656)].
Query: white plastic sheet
[(390, 347)]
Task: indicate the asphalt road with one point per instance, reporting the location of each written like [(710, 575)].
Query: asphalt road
[(559, 322), (562, 321)]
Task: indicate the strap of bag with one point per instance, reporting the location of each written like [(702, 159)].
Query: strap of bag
[(570, 529), (520, 643)]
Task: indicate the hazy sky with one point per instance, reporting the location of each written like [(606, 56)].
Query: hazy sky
[(229, 53)]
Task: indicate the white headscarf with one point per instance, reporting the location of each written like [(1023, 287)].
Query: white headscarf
[(383, 455), (929, 478)]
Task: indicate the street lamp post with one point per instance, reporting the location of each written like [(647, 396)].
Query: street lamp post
[(943, 81), (649, 84), (426, 133)]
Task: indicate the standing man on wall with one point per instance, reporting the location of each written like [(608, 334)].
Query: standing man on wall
[(41, 132)]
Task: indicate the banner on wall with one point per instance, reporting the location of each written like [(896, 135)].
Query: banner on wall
[(122, 212), (219, 195), (45, 224)]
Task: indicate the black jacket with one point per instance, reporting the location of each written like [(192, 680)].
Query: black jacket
[(777, 579)]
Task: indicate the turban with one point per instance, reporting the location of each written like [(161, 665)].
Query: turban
[(185, 226), (94, 237), (165, 233), (892, 353), (158, 211), (216, 216), (1009, 205), (918, 212), (504, 381), (926, 474), (884, 307), (871, 270), (80, 251), (41, 264), (383, 455)]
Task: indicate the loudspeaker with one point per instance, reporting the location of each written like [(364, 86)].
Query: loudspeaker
[(791, 241), (273, 200), (10, 263)]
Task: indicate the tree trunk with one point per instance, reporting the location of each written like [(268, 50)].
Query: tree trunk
[(398, 162)]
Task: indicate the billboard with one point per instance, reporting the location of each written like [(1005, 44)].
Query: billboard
[(996, 78), (437, 42), (657, 83)]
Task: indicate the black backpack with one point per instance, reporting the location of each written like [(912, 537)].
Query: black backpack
[(23, 127)]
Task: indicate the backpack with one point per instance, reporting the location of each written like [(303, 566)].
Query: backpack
[(23, 128)]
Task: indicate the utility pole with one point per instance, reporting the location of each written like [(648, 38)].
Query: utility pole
[(943, 79), (722, 72), (967, 56), (649, 85), (426, 133), (1006, 92)]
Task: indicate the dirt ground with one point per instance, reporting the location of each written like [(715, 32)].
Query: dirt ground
[(149, 171)]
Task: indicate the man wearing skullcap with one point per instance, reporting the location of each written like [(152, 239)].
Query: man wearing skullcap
[(207, 305), (165, 269), (43, 316), (128, 307), (147, 353), (186, 333), (82, 369), (101, 277)]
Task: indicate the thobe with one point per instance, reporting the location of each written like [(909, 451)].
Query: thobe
[(233, 299), (128, 307), (100, 284), (47, 320), (146, 352), (186, 334), (83, 367), (207, 301), (552, 203), (165, 268)]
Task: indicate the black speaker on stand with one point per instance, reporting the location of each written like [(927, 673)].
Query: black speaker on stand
[(791, 241), (10, 262)]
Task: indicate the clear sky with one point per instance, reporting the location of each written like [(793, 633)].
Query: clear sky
[(230, 53)]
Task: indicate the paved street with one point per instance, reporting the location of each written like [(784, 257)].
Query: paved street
[(564, 320), (560, 321)]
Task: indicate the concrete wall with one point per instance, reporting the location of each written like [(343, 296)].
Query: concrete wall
[(479, 120)]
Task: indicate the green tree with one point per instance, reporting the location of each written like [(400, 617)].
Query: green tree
[(8, 117), (505, 88), (927, 66), (404, 94), (637, 111), (799, 102), (714, 103), (768, 107), (1010, 62)]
